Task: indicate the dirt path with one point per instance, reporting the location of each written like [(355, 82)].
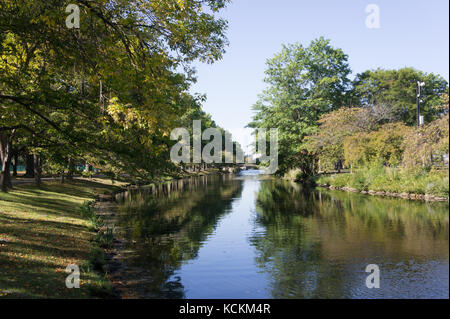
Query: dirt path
[(27, 180), (30, 180)]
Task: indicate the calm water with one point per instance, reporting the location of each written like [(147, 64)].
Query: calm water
[(250, 236)]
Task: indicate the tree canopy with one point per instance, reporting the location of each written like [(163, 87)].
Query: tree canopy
[(302, 84), (398, 90), (111, 90), (325, 118)]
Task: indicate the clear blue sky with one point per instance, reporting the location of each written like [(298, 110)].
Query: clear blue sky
[(412, 33)]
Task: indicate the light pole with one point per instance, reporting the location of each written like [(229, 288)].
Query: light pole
[(419, 85)]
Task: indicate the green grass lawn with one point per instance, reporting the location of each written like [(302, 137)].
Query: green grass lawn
[(392, 180), (41, 232)]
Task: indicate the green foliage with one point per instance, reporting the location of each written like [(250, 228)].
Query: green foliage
[(427, 146), (384, 145), (87, 211), (64, 97), (193, 111), (96, 262), (97, 258), (398, 89), (437, 184), (105, 237), (88, 174), (303, 83), (359, 179), (394, 180), (101, 289), (334, 127), (361, 138)]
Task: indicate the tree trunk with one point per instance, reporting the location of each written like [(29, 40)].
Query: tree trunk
[(29, 166), (62, 177), (5, 154), (71, 169), (37, 169), (15, 163)]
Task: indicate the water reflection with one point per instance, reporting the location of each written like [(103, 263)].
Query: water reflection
[(317, 244), (255, 237), (167, 224)]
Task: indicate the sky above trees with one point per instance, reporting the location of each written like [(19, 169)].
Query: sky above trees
[(412, 33)]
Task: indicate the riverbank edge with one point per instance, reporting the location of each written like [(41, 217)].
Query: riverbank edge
[(410, 196), (104, 206)]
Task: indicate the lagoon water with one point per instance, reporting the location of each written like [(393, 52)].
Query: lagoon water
[(253, 236)]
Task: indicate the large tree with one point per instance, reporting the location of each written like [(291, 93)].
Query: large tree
[(397, 90), (303, 83)]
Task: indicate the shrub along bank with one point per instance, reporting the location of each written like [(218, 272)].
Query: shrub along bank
[(388, 181)]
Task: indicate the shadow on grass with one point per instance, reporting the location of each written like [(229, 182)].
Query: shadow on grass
[(41, 232)]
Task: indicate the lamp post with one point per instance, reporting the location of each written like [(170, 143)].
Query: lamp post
[(419, 85)]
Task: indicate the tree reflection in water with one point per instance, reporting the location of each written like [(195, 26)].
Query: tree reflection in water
[(316, 243), (279, 240), (165, 225)]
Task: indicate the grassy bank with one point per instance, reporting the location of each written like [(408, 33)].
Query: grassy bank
[(41, 232), (392, 180)]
